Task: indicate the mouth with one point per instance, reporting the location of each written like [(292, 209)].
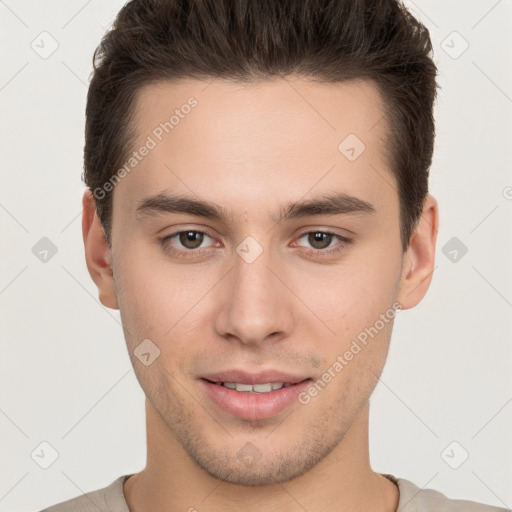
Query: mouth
[(266, 387), (253, 397)]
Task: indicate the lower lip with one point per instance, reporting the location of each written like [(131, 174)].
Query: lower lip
[(253, 406)]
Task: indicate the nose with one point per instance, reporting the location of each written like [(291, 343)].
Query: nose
[(254, 305)]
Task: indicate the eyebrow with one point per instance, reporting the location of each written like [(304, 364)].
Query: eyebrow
[(330, 204)]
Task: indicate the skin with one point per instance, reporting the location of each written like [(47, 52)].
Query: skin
[(254, 149)]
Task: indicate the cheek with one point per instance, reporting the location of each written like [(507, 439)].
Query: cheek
[(165, 304), (139, 310), (347, 299), (351, 369), (154, 295), (354, 302)]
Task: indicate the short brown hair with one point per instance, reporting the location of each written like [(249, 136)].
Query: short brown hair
[(244, 40)]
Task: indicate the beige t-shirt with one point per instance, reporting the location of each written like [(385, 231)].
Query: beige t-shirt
[(412, 499)]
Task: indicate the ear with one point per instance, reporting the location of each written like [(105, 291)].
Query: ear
[(418, 261), (97, 252)]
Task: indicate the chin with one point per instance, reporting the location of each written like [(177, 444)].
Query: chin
[(251, 477), (249, 467)]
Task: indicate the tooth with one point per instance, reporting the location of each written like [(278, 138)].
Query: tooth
[(262, 388), (244, 387), (256, 388)]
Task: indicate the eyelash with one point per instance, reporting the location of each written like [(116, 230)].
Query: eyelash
[(187, 253)]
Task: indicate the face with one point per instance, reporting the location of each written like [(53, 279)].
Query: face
[(272, 277)]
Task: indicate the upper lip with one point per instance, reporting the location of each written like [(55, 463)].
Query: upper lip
[(263, 377)]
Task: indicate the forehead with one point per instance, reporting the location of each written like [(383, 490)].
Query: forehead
[(226, 110), (266, 140)]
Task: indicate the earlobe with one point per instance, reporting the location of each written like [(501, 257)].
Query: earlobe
[(98, 255), (418, 266)]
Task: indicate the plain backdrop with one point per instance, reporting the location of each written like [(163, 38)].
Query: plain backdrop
[(441, 415)]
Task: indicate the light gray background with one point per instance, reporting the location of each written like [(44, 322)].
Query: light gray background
[(65, 375)]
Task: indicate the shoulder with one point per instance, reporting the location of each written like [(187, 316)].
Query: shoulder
[(415, 499), (109, 498)]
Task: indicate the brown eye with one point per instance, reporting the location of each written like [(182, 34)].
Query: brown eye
[(319, 239), (191, 239), (186, 243), (321, 242)]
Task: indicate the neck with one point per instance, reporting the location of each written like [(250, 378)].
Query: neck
[(172, 481)]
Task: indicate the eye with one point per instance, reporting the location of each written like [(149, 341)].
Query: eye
[(185, 241), (322, 241)]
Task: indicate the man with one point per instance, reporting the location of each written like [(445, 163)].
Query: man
[(257, 205)]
